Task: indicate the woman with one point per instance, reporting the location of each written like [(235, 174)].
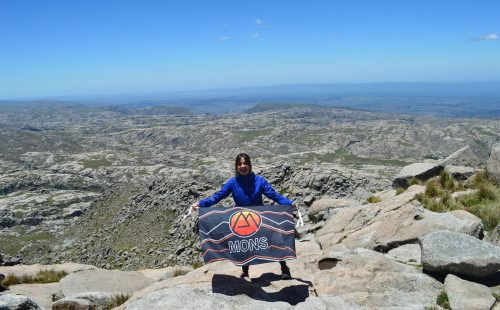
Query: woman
[(247, 189)]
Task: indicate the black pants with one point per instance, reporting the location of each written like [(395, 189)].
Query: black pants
[(282, 263)]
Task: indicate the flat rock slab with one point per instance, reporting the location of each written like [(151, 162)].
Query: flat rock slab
[(165, 273), (407, 254), (420, 171), (468, 295), (41, 294), (105, 281), (370, 280), (460, 254), (31, 270)]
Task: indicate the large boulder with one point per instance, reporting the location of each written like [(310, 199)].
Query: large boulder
[(369, 279), (105, 281), (419, 171), (460, 254), (323, 208), (17, 302), (461, 157), (493, 163), (460, 173), (391, 223), (89, 300), (42, 294), (468, 295)]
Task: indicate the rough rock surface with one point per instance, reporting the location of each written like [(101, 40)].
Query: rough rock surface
[(17, 302), (468, 295), (420, 171), (408, 254), (493, 163), (363, 279), (462, 157), (106, 281), (460, 173), (31, 270), (460, 254), (391, 223), (41, 294), (323, 208)]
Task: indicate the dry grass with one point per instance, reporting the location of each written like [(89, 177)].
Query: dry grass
[(43, 276), (484, 203), (373, 199)]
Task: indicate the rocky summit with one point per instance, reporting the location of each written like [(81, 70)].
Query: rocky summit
[(98, 196)]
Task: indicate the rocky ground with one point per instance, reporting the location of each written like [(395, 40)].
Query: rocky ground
[(340, 266), (108, 187)]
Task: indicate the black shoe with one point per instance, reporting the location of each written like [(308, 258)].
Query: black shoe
[(285, 274), (244, 275)]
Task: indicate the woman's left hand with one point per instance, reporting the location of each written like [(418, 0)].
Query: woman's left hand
[(294, 206)]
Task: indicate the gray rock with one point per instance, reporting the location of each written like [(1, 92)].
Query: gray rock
[(460, 254), (332, 255), (460, 173), (461, 157), (391, 223), (204, 298), (42, 294), (493, 163), (408, 254), (468, 295), (106, 281), (493, 236), (17, 302), (420, 171), (323, 208), (372, 281), (73, 304)]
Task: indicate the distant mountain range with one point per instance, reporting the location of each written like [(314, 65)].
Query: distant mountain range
[(478, 99)]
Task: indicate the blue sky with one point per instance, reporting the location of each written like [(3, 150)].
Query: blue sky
[(59, 48)]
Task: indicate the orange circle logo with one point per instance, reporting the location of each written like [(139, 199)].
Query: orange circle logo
[(245, 223)]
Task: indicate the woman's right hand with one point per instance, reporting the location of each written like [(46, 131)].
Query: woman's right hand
[(195, 206)]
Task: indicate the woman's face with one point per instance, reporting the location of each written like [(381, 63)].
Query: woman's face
[(243, 167)]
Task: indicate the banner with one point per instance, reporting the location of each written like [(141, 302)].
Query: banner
[(247, 235)]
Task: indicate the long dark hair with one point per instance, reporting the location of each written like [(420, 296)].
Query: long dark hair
[(247, 160)]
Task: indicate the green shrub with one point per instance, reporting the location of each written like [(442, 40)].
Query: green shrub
[(431, 189), (373, 199), (443, 301), (485, 203), (447, 181), (486, 191), (478, 178), (179, 272), (414, 181), (11, 279), (197, 265), (399, 191)]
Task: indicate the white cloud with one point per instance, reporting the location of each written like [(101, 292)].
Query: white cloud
[(260, 23), (255, 35), (488, 37), (225, 38)]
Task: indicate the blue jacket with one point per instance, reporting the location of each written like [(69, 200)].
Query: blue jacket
[(247, 190)]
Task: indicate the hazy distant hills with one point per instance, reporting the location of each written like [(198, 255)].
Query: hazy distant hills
[(480, 99)]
